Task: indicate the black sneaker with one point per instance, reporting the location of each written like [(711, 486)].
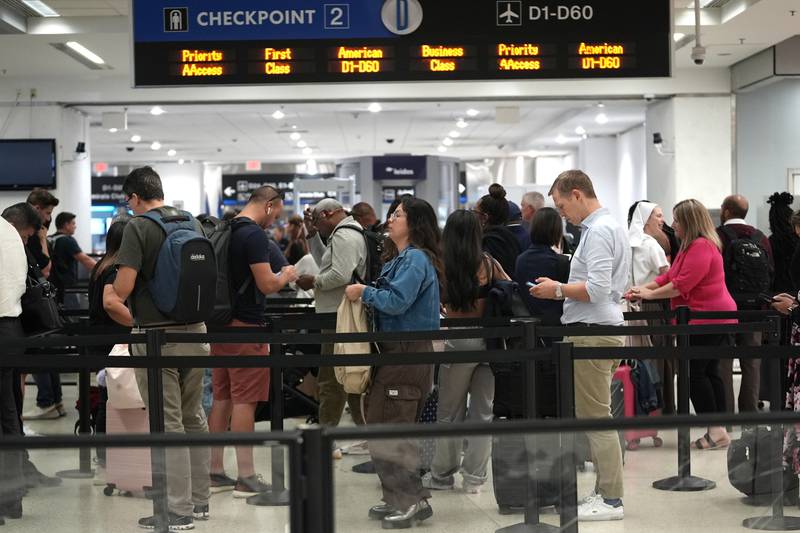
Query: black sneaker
[(201, 512), (176, 522), (250, 486), (221, 483)]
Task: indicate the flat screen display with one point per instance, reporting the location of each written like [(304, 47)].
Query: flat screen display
[(26, 164)]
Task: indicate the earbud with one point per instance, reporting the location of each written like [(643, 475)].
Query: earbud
[(269, 210)]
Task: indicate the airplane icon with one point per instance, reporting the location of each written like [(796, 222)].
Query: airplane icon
[(509, 15), (512, 16)]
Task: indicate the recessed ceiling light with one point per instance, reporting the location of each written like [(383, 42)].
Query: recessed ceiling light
[(447, 141), (85, 52), (601, 118), (307, 151), (601, 105), (302, 144), (678, 36), (278, 114), (442, 149), (136, 138), (454, 134), (41, 8), (462, 123), (375, 107), (157, 110), (181, 161), (155, 146), (295, 136), (113, 130), (580, 130), (561, 139), (473, 112), (171, 152), (311, 167), (584, 136)]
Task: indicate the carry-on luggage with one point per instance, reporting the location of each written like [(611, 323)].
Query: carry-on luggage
[(623, 403), (750, 467), (128, 470)]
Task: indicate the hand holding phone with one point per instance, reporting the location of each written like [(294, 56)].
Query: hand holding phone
[(531, 284)]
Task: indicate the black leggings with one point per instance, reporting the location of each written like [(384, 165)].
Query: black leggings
[(706, 389)]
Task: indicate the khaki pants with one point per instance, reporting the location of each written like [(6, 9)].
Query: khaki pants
[(593, 400), (187, 468), (332, 395)]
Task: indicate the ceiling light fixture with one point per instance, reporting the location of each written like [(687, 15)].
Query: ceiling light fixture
[(561, 139), (302, 144), (155, 146), (601, 105), (181, 161), (85, 52), (278, 114), (295, 136), (442, 149), (41, 8), (462, 123), (171, 152), (113, 130), (311, 167), (307, 151), (678, 36), (454, 134), (157, 110), (473, 112), (580, 130), (136, 138), (375, 107), (601, 118), (447, 141)]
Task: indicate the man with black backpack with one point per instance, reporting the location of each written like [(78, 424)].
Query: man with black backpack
[(167, 274), (749, 269), (343, 258), (250, 278)]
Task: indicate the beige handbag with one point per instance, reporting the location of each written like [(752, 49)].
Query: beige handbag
[(351, 317), (123, 391)]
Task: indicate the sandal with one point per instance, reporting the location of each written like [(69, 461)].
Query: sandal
[(706, 443)]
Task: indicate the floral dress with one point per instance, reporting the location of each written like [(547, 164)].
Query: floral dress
[(792, 438)]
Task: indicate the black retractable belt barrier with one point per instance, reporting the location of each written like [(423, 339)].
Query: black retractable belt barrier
[(684, 481), (158, 455), (277, 495), (777, 521), (531, 523)]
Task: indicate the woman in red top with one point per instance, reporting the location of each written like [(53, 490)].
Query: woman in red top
[(697, 280)]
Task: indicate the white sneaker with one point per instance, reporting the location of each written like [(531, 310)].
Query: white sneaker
[(430, 482), (359, 448), (597, 510), (39, 413), (471, 488)]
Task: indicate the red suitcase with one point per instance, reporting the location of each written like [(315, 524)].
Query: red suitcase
[(633, 437), (128, 470)]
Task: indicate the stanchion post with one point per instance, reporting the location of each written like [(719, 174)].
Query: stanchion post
[(155, 403), (84, 470), (313, 518), (777, 521), (565, 366), (531, 523), (277, 495), (684, 481)]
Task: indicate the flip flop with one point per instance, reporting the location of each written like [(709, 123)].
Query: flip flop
[(706, 443)]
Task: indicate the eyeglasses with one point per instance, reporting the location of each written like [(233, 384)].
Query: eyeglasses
[(397, 215)]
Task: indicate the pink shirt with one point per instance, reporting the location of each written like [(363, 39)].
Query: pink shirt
[(699, 276)]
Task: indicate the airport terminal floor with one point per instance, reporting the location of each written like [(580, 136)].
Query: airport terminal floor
[(81, 506)]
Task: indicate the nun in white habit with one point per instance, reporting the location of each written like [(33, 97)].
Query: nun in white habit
[(648, 258)]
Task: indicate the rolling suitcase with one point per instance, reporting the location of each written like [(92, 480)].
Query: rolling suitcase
[(128, 470), (623, 404)]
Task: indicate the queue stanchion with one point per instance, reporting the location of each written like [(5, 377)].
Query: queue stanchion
[(777, 521), (84, 470), (277, 496), (565, 365), (684, 481), (532, 523), (158, 455)]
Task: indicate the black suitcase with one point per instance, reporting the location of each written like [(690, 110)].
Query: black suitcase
[(511, 468), (750, 467)]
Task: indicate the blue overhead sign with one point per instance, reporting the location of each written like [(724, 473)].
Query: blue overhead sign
[(244, 20)]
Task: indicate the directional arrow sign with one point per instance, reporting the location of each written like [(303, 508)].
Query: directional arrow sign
[(229, 191)]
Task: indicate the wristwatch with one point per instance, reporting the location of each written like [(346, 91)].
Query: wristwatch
[(559, 292)]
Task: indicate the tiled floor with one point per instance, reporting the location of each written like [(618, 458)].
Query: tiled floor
[(80, 506)]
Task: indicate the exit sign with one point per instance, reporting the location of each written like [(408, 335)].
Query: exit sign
[(252, 166)]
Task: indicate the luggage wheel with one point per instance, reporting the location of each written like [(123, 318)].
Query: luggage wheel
[(658, 442), (108, 490)]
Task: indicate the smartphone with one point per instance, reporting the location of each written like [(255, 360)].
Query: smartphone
[(531, 284), (766, 298)]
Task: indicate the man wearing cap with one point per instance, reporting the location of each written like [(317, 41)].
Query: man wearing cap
[(343, 257)]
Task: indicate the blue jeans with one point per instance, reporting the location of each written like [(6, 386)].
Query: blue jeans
[(49, 389)]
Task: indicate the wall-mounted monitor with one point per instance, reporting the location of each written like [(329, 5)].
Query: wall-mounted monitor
[(26, 164)]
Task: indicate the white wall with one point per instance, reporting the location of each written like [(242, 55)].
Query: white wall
[(183, 183), (768, 143), (597, 157), (631, 168), (661, 168), (73, 174)]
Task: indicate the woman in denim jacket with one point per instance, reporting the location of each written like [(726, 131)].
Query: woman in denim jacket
[(405, 298)]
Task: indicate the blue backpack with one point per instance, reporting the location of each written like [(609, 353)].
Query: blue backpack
[(185, 280)]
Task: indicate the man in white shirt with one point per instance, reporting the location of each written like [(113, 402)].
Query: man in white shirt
[(18, 223)]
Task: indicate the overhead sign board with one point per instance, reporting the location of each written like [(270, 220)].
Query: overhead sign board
[(399, 167), (203, 42)]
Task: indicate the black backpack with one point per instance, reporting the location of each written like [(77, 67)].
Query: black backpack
[(219, 233), (374, 242), (747, 268)]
